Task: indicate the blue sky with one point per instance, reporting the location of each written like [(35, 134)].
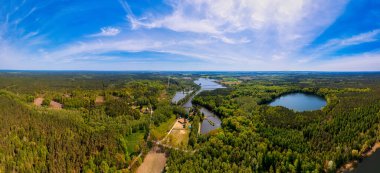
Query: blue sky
[(243, 35)]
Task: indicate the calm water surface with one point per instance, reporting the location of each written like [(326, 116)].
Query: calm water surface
[(308, 102), (206, 126), (370, 164), (300, 102), (180, 95), (206, 84)]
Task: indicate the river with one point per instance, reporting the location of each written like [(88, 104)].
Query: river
[(307, 102), (206, 84), (179, 96)]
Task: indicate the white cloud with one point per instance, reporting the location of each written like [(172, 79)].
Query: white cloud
[(30, 35), (267, 27), (81, 49), (224, 34), (209, 16), (339, 43), (362, 62), (107, 31), (361, 38), (12, 57)]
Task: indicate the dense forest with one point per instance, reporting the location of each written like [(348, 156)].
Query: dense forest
[(103, 125), (108, 120), (256, 137)]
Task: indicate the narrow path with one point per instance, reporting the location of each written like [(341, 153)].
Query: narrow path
[(175, 148), (156, 142), (169, 131), (199, 128), (134, 160), (160, 143)]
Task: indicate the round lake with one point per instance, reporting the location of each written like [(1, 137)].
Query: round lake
[(300, 102)]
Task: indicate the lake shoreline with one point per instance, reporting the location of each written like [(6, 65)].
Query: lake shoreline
[(352, 165), (300, 102)]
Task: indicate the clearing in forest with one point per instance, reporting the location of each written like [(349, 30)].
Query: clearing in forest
[(154, 162), (134, 140), (99, 100), (179, 135), (55, 105), (38, 101), (161, 131)]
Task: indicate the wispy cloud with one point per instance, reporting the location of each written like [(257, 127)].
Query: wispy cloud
[(363, 62), (107, 31), (211, 34), (273, 26), (361, 38), (254, 35)]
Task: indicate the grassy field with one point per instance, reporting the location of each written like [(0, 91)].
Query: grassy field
[(133, 140), (230, 81), (179, 138), (160, 131)]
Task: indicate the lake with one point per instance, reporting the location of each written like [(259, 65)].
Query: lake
[(369, 164), (300, 102), (206, 84)]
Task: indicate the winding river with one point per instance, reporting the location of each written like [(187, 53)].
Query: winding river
[(206, 84), (179, 96), (295, 101)]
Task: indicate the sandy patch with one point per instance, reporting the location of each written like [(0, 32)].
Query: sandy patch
[(55, 105), (352, 164), (179, 124), (99, 100), (179, 136), (348, 166), (38, 101), (162, 96), (154, 162), (373, 149)]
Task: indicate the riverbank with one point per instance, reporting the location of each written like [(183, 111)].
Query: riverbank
[(178, 136), (187, 97), (350, 166)]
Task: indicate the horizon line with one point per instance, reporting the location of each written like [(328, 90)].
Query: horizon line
[(320, 71)]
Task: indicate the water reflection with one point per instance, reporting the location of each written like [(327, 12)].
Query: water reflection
[(206, 84), (300, 102), (179, 96)]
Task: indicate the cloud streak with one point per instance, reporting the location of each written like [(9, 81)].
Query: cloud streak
[(245, 31), (107, 31), (361, 38), (209, 34)]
